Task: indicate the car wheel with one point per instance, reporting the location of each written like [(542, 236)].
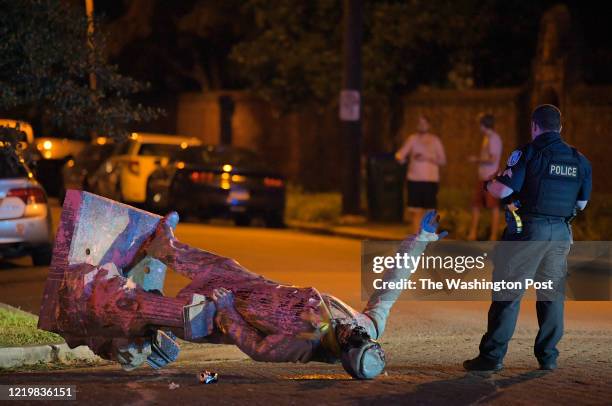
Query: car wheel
[(118, 196), (86, 187), (242, 220), (151, 205), (275, 220), (61, 194), (41, 256)]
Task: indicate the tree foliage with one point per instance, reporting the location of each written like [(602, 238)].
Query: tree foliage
[(420, 42), (292, 54), (289, 51), (180, 46), (45, 63)]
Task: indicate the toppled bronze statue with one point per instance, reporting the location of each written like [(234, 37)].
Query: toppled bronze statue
[(105, 290)]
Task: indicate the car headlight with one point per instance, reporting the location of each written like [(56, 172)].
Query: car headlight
[(45, 145)]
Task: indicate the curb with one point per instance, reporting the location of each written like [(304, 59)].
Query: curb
[(13, 357), (346, 231)]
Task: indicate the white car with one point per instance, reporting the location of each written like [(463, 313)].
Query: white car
[(25, 218), (125, 174)]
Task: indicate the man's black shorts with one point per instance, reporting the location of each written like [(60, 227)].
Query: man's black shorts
[(422, 194)]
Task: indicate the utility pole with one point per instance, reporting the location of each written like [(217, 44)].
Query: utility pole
[(93, 83), (350, 106), (89, 9)]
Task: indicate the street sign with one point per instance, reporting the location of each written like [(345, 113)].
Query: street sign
[(350, 102)]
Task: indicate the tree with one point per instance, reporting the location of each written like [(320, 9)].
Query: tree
[(45, 62), (180, 46), (293, 55)]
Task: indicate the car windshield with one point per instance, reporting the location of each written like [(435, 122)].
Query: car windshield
[(168, 150), (220, 156), (11, 168)]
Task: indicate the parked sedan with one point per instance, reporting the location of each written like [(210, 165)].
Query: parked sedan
[(25, 218), (218, 181), (76, 173), (51, 155)]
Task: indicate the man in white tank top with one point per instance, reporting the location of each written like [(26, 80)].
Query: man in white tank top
[(488, 165)]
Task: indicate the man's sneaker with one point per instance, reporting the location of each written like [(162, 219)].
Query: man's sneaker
[(548, 366), (483, 365)]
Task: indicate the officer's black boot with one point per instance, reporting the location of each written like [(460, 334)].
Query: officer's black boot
[(482, 364), (494, 344), (548, 366)]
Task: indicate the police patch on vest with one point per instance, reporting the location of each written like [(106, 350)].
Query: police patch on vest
[(563, 170), (514, 157)]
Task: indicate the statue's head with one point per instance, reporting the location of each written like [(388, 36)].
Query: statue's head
[(362, 357)]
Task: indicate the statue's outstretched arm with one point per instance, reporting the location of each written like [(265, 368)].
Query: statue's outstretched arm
[(381, 301)]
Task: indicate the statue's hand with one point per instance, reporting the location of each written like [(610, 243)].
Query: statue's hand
[(223, 298), (131, 353), (430, 224), (159, 243)]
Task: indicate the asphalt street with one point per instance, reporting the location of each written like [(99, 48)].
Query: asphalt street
[(425, 341)]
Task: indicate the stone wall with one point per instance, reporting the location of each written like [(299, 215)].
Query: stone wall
[(587, 124)]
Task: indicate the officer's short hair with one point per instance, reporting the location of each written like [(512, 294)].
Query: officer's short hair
[(487, 120), (547, 117)]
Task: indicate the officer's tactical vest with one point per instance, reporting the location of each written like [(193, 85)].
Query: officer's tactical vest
[(552, 181)]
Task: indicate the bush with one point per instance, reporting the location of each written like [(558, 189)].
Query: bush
[(594, 224), (312, 207)]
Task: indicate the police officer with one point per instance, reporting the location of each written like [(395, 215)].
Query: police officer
[(543, 185)]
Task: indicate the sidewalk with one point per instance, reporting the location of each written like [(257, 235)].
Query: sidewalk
[(361, 231)]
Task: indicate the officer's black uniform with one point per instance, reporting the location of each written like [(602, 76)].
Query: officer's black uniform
[(547, 177)]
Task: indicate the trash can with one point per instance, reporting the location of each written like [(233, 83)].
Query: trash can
[(385, 188)]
